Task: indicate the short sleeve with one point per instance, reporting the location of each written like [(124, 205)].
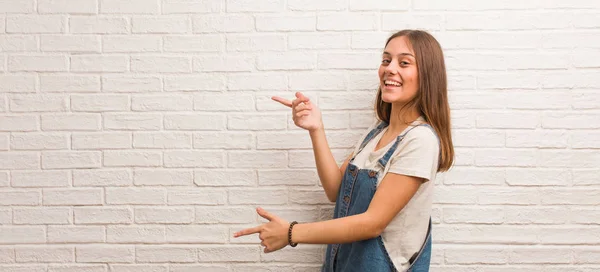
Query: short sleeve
[(417, 155)]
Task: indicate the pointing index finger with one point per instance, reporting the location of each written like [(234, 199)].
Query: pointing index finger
[(247, 231), (283, 101)]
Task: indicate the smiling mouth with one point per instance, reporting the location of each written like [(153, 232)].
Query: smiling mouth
[(392, 83)]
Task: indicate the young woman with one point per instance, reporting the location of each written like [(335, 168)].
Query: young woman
[(383, 191)]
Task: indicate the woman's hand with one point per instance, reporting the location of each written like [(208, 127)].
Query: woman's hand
[(305, 114), (273, 235)]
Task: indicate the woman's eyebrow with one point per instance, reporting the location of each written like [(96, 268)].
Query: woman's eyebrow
[(400, 54)]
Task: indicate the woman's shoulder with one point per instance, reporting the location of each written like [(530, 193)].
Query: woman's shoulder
[(422, 134)]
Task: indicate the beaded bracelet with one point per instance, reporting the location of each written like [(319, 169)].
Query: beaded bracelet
[(290, 234)]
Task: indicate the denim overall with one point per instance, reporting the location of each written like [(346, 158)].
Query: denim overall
[(355, 194)]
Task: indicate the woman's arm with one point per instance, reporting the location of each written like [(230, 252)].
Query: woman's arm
[(391, 196), (329, 172)]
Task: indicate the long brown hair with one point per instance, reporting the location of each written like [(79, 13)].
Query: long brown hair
[(432, 96)]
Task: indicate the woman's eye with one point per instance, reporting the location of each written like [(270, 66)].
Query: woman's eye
[(404, 63), (385, 61)]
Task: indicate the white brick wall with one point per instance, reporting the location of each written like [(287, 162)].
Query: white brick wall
[(138, 135)]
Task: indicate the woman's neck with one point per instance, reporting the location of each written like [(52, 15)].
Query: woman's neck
[(401, 118)]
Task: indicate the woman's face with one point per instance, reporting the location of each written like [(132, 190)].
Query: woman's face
[(398, 75)]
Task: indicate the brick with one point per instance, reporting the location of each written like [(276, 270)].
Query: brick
[(103, 215), (579, 39), (135, 234), (258, 196), (476, 255), (163, 177), (26, 6), (201, 196), (293, 61), (531, 177), (186, 158), (478, 100), (392, 22), (537, 138), (72, 196), (45, 254), (583, 216), (4, 141), (225, 178), (99, 103), (223, 23), (479, 138), (309, 81), (308, 196), (586, 255), (70, 84), (228, 253), (563, 236), (569, 158), (194, 122), (71, 122), (342, 21), (472, 5), (535, 215), (512, 196), (23, 268), (197, 234), (18, 43), (77, 268), (257, 159), (195, 83), (540, 255), (369, 40), (4, 181), (160, 25), (348, 101), (132, 158), (7, 255), (286, 23), (260, 122), (47, 178), (470, 215), (98, 25), (139, 267), (199, 268), (22, 234), (161, 140), (585, 100), (184, 6), (487, 234), (306, 159), (520, 80), (316, 5), (224, 215), (76, 234), (132, 121), (37, 63), (161, 64), (17, 83), (276, 140), (89, 63), (71, 43), (229, 63), (196, 43), (39, 141), (102, 177), (505, 120), (215, 102), (579, 120), (68, 6), (19, 160), (70, 159), (585, 20), (135, 83), (136, 196), (38, 24), (255, 6), (131, 44), (256, 82), (172, 102), (282, 177), (348, 61), (38, 103), (39, 216), (310, 254), (321, 40), (474, 176), (570, 197), (129, 7), (105, 253), (162, 254), (582, 177), (255, 42), (224, 140), (449, 195), (379, 5)]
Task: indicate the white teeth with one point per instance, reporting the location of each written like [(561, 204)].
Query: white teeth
[(389, 82)]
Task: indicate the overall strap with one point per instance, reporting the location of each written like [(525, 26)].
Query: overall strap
[(388, 155), (372, 135)]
